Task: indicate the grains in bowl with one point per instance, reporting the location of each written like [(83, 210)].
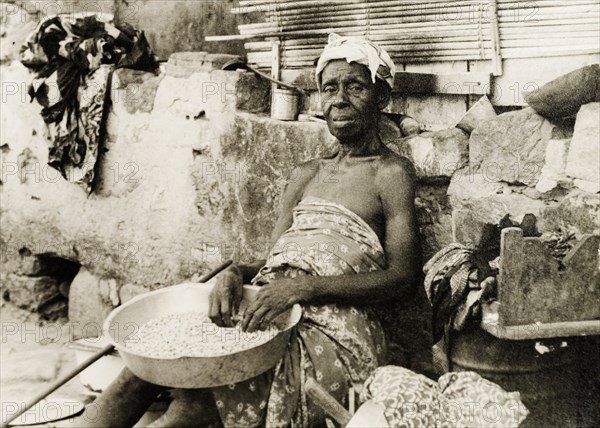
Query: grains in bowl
[(193, 334)]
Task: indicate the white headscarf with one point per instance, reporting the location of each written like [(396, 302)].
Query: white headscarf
[(361, 51)]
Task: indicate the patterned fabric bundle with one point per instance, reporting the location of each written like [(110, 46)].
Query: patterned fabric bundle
[(462, 399), (455, 273), (450, 275), (338, 346), (74, 58)]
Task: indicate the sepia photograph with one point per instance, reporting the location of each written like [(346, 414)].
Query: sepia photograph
[(300, 213)]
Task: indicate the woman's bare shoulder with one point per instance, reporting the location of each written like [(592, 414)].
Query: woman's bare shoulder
[(396, 167)]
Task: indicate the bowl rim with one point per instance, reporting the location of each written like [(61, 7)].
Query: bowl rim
[(295, 315)]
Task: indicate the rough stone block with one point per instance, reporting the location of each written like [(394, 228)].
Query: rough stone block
[(434, 218), (57, 309), (109, 291), (587, 186), (583, 161), (466, 227), (135, 89), (30, 266), (184, 64), (253, 94), (129, 291), (480, 111), (512, 147), (20, 261), (436, 154), (467, 184), (438, 111), (564, 95), (553, 172), (213, 93), (578, 212), (87, 307), (17, 23), (470, 215), (30, 292)]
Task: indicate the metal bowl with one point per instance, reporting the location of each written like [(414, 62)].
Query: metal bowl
[(193, 372)]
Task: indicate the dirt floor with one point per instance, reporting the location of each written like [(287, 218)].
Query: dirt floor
[(33, 354)]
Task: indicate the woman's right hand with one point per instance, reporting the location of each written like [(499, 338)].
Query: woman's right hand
[(226, 296)]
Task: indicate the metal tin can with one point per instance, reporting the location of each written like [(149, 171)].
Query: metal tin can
[(284, 104)]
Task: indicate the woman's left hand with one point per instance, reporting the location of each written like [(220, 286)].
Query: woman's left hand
[(272, 300)]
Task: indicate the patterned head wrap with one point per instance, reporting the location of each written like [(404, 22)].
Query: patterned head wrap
[(361, 51)]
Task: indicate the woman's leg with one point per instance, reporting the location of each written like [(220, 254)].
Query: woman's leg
[(190, 408), (122, 404), (244, 403)]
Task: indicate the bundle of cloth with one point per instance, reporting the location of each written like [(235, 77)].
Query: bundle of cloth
[(73, 57), (457, 278), (462, 399)]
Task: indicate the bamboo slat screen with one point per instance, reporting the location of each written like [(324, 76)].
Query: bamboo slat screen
[(412, 31)]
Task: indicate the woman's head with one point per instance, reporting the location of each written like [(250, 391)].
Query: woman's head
[(351, 102), (355, 79)]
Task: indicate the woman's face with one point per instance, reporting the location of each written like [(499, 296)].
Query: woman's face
[(349, 99)]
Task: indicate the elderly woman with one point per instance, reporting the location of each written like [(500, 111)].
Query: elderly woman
[(356, 245)]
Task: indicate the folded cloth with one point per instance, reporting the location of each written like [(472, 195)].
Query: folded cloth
[(448, 279), (462, 399), (361, 51)]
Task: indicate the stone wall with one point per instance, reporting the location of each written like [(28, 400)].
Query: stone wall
[(190, 178), (187, 180), (522, 163)]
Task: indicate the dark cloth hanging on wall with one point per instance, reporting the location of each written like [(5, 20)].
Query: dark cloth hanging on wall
[(74, 58)]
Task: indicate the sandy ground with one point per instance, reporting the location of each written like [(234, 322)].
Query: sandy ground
[(33, 354)]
